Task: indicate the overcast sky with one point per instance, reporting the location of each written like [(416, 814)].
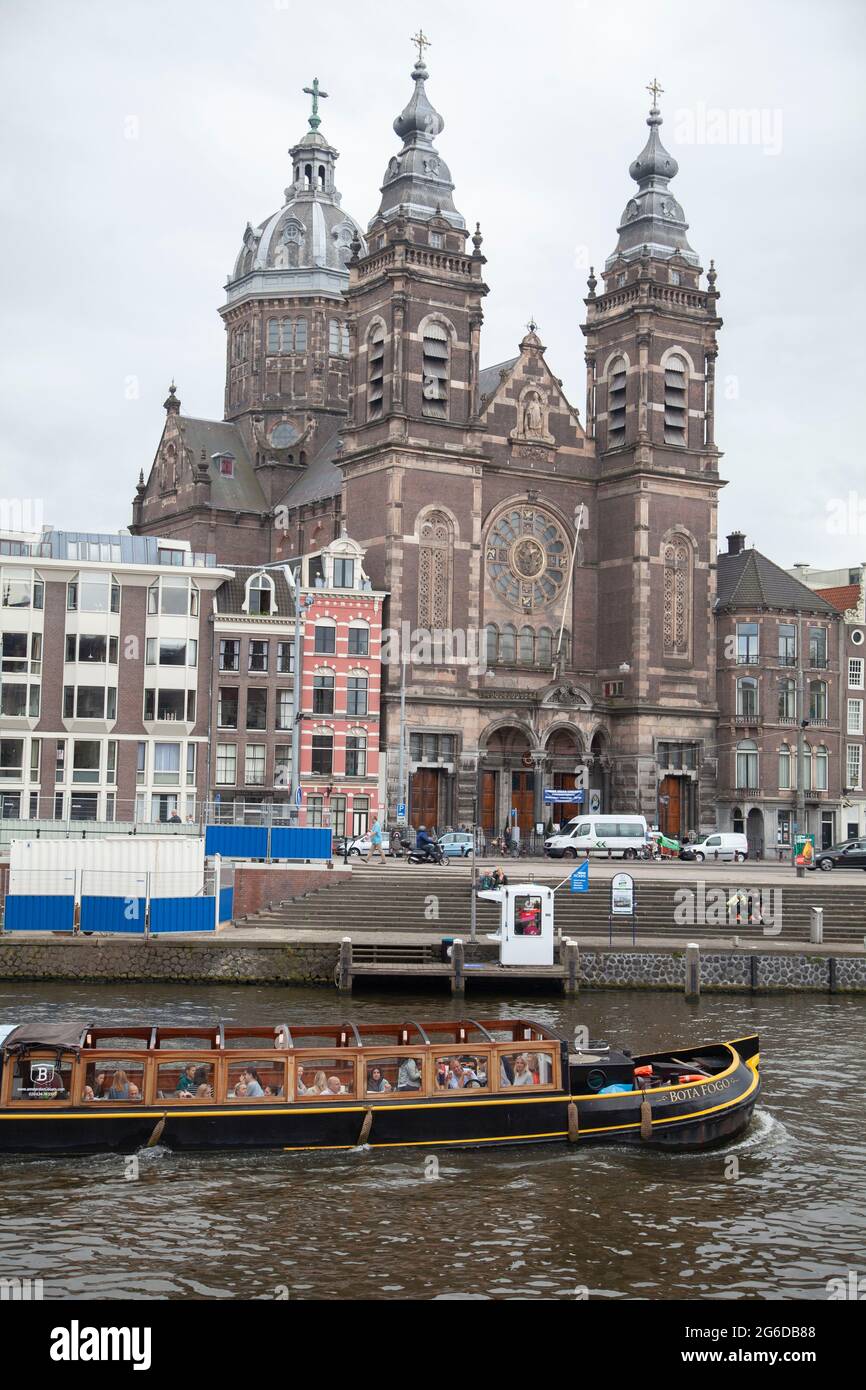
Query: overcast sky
[(141, 135)]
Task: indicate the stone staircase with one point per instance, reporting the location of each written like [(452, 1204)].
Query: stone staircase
[(400, 901)]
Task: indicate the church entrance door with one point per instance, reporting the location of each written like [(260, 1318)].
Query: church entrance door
[(488, 803), (671, 807), (424, 797), (523, 801)]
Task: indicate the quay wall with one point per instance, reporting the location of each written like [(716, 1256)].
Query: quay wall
[(312, 962)]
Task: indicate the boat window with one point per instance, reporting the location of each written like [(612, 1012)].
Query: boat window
[(530, 1068), (256, 1080), (384, 1074), (121, 1079), (462, 1071), (325, 1076), (187, 1081), (42, 1078)]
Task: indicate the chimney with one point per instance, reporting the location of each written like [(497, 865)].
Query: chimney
[(736, 542)]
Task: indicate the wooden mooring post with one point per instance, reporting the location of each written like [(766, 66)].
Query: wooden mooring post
[(570, 955), (344, 966), (458, 960), (693, 970)]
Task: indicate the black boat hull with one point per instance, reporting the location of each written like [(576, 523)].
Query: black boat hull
[(689, 1117)]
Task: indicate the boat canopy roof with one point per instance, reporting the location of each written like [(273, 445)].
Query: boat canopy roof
[(75, 1037), (29, 1037)]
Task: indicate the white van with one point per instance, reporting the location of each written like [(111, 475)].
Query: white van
[(622, 835), (720, 845)]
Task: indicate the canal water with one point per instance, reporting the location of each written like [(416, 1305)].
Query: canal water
[(547, 1222)]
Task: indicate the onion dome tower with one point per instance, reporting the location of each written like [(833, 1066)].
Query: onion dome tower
[(287, 350)]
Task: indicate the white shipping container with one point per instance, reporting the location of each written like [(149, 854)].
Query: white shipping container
[(115, 867)]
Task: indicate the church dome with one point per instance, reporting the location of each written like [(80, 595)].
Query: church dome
[(304, 247)]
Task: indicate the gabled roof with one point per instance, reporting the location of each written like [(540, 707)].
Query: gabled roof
[(230, 596), (489, 377), (750, 580), (843, 597), (242, 492)]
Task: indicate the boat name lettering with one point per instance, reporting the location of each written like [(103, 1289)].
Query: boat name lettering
[(712, 1089)]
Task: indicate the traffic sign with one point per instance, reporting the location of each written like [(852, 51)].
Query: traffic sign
[(580, 878), (401, 810)]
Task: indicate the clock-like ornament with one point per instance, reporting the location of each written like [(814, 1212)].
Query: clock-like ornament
[(527, 558)]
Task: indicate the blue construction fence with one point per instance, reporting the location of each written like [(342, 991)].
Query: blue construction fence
[(267, 842), (43, 912)]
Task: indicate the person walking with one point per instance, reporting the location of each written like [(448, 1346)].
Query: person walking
[(376, 847)]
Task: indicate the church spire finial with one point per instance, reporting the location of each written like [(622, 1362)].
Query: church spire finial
[(655, 92), (317, 94), (423, 42)]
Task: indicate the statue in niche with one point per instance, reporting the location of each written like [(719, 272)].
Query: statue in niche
[(533, 416)]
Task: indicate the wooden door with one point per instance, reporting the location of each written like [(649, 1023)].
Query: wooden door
[(488, 803), (523, 801), (564, 810), (424, 798), (670, 807)]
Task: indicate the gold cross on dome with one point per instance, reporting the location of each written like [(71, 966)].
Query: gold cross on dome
[(655, 90), (423, 42)]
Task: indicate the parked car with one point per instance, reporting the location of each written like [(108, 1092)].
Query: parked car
[(457, 844), (719, 845), (850, 855)]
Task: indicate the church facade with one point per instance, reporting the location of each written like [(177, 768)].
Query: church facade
[(551, 577)]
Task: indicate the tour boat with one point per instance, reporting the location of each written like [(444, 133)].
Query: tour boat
[(76, 1088)]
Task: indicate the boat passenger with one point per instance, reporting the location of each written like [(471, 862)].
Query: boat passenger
[(377, 1081), (254, 1087), (320, 1082), (241, 1090), (185, 1085), (201, 1076), (333, 1087), (134, 1092), (522, 1075), (88, 1093), (119, 1088), (204, 1092), (299, 1081), (409, 1075)]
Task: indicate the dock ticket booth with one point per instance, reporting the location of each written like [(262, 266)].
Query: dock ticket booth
[(525, 934)]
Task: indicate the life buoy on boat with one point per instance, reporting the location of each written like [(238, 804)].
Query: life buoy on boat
[(688, 1077), (643, 1071)]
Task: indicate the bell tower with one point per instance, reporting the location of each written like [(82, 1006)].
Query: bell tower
[(650, 354)]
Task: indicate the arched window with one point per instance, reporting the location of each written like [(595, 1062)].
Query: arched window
[(616, 383), (321, 176), (435, 370), (436, 537), (807, 767), (677, 597), (286, 335), (737, 821), (784, 768), (822, 768), (747, 697), (788, 699), (273, 335), (508, 644), (260, 595), (676, 401), (817, 700), (527, 646), (376, 372), (492, 639), (544, 647), (300, 335), (747, 764), (308, 175)]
